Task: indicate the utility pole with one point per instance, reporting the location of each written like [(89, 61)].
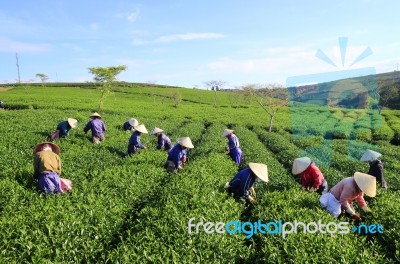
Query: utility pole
[(19, 78)]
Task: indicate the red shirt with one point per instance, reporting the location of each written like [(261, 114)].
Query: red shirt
[(312, 177)]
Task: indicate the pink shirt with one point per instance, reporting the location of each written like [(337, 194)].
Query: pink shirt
[(346, 191)]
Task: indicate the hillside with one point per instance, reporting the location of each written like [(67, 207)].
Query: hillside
[(353, 92)]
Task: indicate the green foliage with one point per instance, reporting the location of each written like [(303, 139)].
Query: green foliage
[(129, 210), (107, 76)]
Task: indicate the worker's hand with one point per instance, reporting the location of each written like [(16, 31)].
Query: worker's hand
[(356, 217), (311, 189), (366, 209), (252, 191), (226, 186), (251, 199), (144, 147), (180, 168)]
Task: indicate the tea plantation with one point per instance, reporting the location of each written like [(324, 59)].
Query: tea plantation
[(130, 210)]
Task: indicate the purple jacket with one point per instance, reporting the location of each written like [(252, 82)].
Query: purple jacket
[(97, 126), (163, 142)]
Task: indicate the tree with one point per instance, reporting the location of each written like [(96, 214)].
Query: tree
[(106, 76), (272, 99), (386, 94), (176, 98), (43, 77), (248, 92), (215, 86)]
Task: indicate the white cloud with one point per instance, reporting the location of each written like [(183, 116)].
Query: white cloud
[(179, 37), (8, 45), (129, 16)]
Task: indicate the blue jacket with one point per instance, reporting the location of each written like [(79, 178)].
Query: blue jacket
[(242, 182)]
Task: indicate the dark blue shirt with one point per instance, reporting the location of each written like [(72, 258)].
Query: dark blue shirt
[(64, 128), (242, 182), (135, 140), (176, 154), (127, 126)]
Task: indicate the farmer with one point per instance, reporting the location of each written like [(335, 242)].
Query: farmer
[(233, 147), (134, 140), (342, 195), (97, 126), (128, 125), (375, 166), (312, 178), (163, 142), (242, 184), (177, 156), (2, 105), (64, 127), (47, 169)]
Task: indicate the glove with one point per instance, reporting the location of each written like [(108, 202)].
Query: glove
[(350, 211), (227, 185), (356, 217), (180, 168), (251, 199), (366, 209), (252, 191)]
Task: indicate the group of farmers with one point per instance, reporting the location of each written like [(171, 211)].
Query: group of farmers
[(337, 200)]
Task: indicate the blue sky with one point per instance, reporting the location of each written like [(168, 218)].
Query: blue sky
[(186, 43)]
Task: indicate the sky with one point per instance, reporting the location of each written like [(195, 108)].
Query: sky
[(187, 43)]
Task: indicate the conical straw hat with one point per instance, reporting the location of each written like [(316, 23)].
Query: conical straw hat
[(72, 122), (370, 155), (141, 128), (260, 170), (186, 142), (133, 122), (366, 183), (300, 165), (95, 114), (156, 130), (227, 132), (54, 147)]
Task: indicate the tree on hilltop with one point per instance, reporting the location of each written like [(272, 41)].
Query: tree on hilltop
[(106, 76), (43, 77), (271, 97), (215, 85)]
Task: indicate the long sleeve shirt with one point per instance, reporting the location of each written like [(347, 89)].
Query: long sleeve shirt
[(176, 154), (233, 142), (312, 177), (376, 169), (135, 140), (346, 191), (242, 182), (64, 128), (127, 126), (163, 141), (97, 127), (46, 161)]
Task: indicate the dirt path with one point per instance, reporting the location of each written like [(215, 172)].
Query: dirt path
[(3, 89)]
